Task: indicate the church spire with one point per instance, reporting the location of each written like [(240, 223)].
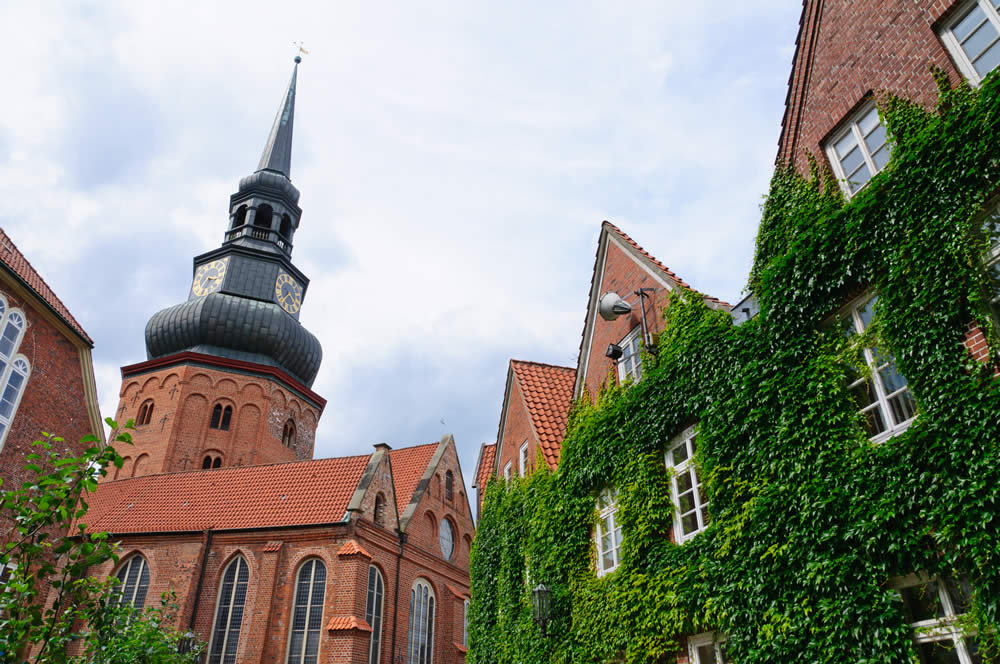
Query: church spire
[(277, 156)]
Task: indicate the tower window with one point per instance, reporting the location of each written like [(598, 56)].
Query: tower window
[(221, 417), (240, 217), (288, 435), (145, 412), (211, 461), (286, 226), (207, 463), (449, 486), (263, 217), (217, 463)]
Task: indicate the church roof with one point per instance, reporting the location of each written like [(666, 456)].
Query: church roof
[(284, 494), (487, 456), (15, 261), (408, 466), (277, 155), (548, 392)]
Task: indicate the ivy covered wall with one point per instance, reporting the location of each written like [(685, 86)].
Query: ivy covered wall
[(809, 519)]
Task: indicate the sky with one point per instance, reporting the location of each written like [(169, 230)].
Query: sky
[(455, 160)]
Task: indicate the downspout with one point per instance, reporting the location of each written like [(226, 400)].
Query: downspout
[(201, 578), (395, 601)]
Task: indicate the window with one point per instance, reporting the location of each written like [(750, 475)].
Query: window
[(690, 503), (933, 607), (134, 578), (307, 614), (211, 461), (991, 226), (288, 435), (882, 398), (522, 460), (145, 413), (420, 643), (608, 534), (446, 538), (630, 363), (465, 623), (380, 510), (507, 471), (973, 37), (859, 150), (229, 613), (373, 613), (221, 417), (707, 649), (449, 486)]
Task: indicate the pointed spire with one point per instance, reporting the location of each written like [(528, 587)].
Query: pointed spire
[(277, 156)]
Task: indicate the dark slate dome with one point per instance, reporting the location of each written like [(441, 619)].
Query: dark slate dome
[(237, 328), (270, 182)]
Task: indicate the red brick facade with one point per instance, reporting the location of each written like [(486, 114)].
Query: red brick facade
[(179, 435)]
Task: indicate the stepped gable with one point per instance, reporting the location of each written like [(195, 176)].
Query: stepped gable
[(284, 494), (548, 394), (12, 257), (408, 466)]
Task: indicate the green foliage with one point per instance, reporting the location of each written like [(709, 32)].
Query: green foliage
[(809, 518)]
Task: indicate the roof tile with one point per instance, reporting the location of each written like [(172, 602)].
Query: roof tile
[(408, 466), (12, 257), (548, 394), (347, 622), (352, 548), (485, 469)]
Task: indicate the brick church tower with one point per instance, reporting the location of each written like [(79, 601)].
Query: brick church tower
[(228, 372)]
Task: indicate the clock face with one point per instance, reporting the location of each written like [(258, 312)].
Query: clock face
[(288, 292), (208, 277)]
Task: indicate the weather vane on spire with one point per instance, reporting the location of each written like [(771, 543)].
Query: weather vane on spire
[(300, 48)]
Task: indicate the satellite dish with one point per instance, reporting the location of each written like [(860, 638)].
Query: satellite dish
[(611, 306)]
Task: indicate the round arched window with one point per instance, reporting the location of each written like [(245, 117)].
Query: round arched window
[(447, 539)]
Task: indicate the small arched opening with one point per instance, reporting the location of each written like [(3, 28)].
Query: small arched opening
[(263, 217), (380, 510), (240, 217), (449, 486), (286, 226), (288, 435)]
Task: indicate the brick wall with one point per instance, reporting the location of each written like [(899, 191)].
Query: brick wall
[(517, 429), (178, 436)]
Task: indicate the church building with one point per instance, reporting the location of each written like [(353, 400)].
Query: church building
[(275, 556)]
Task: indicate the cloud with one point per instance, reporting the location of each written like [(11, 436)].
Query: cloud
[(455, 161)]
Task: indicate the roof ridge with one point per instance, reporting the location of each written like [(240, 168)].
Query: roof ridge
[(236, 468), (413, 447), (542, 364)]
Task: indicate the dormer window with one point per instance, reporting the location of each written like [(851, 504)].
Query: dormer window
[(145, 413), (630, 363), (288, 435), (221, 417), (859, 150)]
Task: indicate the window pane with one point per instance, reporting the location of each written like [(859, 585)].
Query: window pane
[(969, 22), (706, 654), (863, 394), (851, 161), (903, 407), (874, 424), (922, 602), (868, 122), (892, 380), (881, 157), (689, 523), (8, 339), (679, 454), (684, 483), (960, 593), (980, 39), (938, 652), (686, 501), (845, 145), (876, 139), (989, 60), (859, 179)]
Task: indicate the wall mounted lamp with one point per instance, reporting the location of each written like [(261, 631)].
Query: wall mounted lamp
[(541, 605)]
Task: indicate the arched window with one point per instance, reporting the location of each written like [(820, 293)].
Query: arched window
[(145, 413), (446, 538), (134, 578), (240, 217), (380, 510), (449, 486), (221, 417), (420, 644), (288, 434), (286, 226), (207, 463), (17, 376), (373, 613), (229, 613), (263, 217), (307, 616), (217, 463)]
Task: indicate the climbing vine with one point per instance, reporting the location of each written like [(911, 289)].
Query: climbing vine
[(809, 519)]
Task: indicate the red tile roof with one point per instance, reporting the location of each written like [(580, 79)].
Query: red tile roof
[(12, 257), (283, 494), (273, 546), (548, 394), (666, 270), (487, 457), (347, 622), (352, 548), (408, 466)]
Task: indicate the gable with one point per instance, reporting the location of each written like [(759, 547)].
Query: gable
[(377, 483)]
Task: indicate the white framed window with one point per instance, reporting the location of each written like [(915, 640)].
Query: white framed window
[(465, 623), (133, 579), (881, 395), (973, 38), (991, 227), (707, 648), (608, 533), (229, 613), (507, 471), (446, 538), (307, 613), (14, 368), (859, 150), (630, 363), (934, 607), (522, 459), (420, 644), (373, 613), (690, 503)]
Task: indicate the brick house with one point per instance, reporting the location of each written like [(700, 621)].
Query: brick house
[(274, 556)]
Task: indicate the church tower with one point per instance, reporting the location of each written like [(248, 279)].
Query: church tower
[(228, 372)]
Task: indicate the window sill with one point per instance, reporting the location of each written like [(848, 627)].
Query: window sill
[(892, 433)]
